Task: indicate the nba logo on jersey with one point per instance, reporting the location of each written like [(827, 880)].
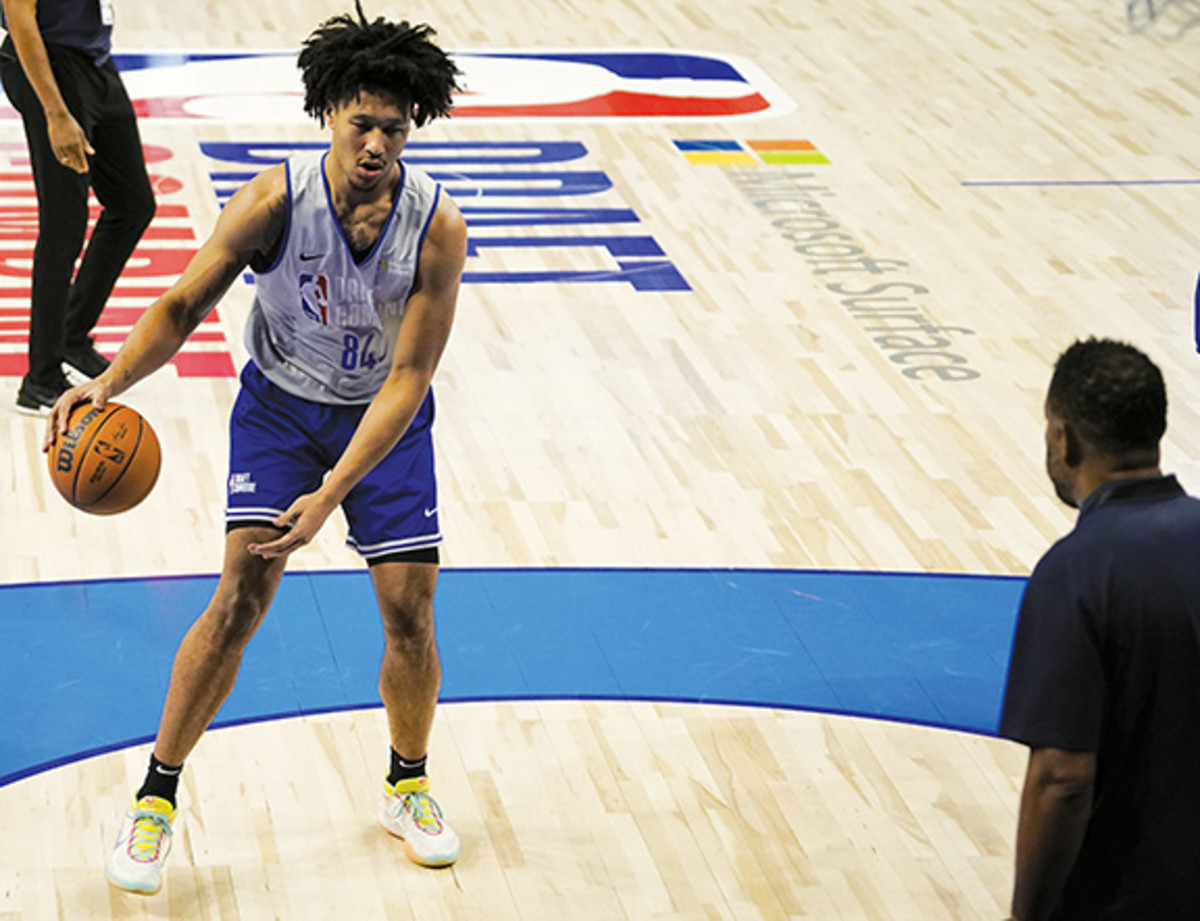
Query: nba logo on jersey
[(314, 298)]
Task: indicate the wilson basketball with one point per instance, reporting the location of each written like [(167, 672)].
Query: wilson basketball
[(108, 460)]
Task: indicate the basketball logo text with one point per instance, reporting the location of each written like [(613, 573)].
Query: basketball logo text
[(70, 441), (109, 451)]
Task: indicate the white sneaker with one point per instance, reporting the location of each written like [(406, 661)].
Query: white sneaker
[(409, 812), (135, 863)]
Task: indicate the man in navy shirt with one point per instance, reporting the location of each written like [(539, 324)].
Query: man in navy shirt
[(58, 72), (1104, 682)]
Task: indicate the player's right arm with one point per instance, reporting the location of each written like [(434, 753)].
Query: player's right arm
[(251, 223), (67, 140)]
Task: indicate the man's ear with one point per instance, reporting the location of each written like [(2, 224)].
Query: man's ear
[(1073, 449)]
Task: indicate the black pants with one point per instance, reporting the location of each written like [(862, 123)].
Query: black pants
[(66, 303)]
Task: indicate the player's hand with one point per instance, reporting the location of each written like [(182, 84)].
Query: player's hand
[(302, 520), (95, 391), (69, 143)]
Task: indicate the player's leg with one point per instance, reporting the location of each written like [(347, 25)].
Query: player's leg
[(393, 521), (409, 679), (411, 673), (118, 173), (205, 669), (271, 462), (208, 659)]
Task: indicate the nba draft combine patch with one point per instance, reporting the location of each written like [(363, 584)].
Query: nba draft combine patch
[(264, 87)]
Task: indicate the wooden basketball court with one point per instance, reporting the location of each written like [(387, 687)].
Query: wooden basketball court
[(826, 350)]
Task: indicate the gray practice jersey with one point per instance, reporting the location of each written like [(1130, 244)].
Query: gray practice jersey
[(323, 326)]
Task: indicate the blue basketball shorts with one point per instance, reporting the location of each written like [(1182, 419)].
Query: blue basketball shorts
[(281, 447)]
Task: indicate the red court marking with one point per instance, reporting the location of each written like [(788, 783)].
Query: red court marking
[(165, 185), (156, 154), (154, 266), (204, 364), (621, 104)]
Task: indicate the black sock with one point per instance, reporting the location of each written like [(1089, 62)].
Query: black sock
[(404, 770), (162, 780)]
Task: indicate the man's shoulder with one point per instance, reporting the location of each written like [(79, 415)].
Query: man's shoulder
[(1127, 525), (1138, 510)]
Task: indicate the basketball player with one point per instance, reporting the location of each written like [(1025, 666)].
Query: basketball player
[(357, 261), (1104, 682)]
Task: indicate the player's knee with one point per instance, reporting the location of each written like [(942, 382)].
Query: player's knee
[(408, 625), (234, 620)]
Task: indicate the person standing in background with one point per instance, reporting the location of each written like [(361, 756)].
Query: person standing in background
[(1104, 680), (57, 69)]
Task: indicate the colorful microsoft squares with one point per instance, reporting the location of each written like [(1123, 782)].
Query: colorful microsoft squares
[(718, 152), (778, 153)]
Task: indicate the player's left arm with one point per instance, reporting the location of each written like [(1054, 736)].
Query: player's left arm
[(423, 334), (1056, 803)]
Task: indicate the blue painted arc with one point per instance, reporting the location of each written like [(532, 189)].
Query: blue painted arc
[(89, 661)]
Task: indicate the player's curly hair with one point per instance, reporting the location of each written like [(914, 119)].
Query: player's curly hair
[(1113, 393), (345, 56)]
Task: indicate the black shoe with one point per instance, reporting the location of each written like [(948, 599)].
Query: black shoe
[(37, 399), (86, 360)]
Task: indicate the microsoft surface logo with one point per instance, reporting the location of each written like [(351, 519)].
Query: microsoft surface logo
[(751, 153)]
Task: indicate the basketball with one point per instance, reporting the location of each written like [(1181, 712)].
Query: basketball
[(108, 460)]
